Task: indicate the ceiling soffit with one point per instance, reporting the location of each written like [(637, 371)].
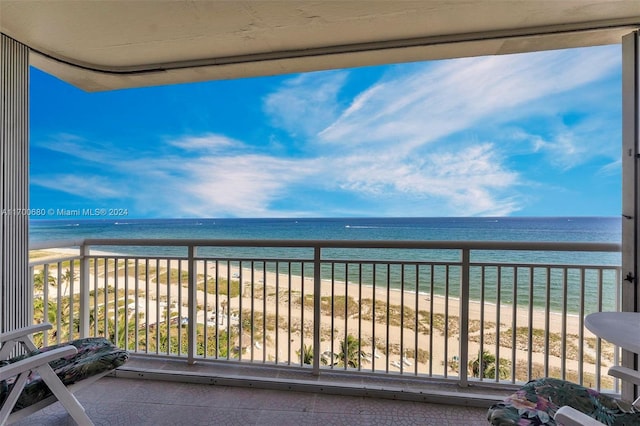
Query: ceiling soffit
[(118, 44)]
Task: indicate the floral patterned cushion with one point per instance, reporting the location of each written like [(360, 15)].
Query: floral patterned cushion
[(537, 402), (95, 355)]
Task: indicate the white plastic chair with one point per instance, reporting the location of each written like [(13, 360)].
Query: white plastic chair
[(26, 369)]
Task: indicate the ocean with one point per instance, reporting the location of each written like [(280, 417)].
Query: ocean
[(556, 229), (547, 229), (536, 229)]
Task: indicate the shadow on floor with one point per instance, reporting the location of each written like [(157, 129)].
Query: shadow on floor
[(117, 401)]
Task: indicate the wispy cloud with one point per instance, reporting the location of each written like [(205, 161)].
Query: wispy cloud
[(90, 187), (449, 96), (306, 104), (210, 143)]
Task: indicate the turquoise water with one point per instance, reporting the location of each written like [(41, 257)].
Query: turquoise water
[(577, 229)]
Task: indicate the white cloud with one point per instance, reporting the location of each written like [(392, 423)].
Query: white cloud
[(207, 143), (611, 169), (213, 184), (242, 186), (469, 182), (566, 147), (449, 96), (91, 187), (306, 104)]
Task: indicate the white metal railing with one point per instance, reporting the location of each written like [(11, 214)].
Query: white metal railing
[(457, 310)]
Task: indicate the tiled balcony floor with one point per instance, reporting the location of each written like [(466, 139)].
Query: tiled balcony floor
[(124, 401)]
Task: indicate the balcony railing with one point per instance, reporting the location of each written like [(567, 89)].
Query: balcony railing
[(498, 312)]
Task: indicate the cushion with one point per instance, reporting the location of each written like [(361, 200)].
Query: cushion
[(537, 401), (95, 355)]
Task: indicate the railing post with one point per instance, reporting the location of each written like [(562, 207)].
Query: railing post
[(192, 295), (84, 290), (33, 290), (316, 310), (464, 318)]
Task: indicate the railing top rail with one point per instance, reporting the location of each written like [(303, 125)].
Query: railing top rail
[(382, 244), (42, 245)]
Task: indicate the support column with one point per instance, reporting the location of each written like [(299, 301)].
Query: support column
[(16, 305), (630, 189)]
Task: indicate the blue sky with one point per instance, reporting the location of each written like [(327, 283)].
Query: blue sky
[(534, 134)]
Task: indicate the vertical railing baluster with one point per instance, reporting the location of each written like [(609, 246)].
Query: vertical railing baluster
[(346, 315), (316, 308), (105, 305), (359, 316), (431, 303), (70, 295), (220, 315), (483, 279), (301, 349), (498, 316), (581, 313), (446, 320), (264, 313), (228, 327), (388, 283), (45, 303), (136, 300), (401, 361), (530, 328), (115, 299), (599, 341), (289, 316), (240, 314), (125, 307), (277, 314), (565, 302), (417, 321), (333, 314), (31, 278), (179, 307), (373, 318), (464, 319), (252, 310), (547, 322), (59, 303), (205, 308), (514, 324), (96, 269), (84, 290), (192, 296)]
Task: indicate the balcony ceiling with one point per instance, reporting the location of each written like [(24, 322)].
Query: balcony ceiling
[(104, 45)]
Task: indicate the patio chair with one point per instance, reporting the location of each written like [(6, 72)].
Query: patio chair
[(40, 377), (551, 402)]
